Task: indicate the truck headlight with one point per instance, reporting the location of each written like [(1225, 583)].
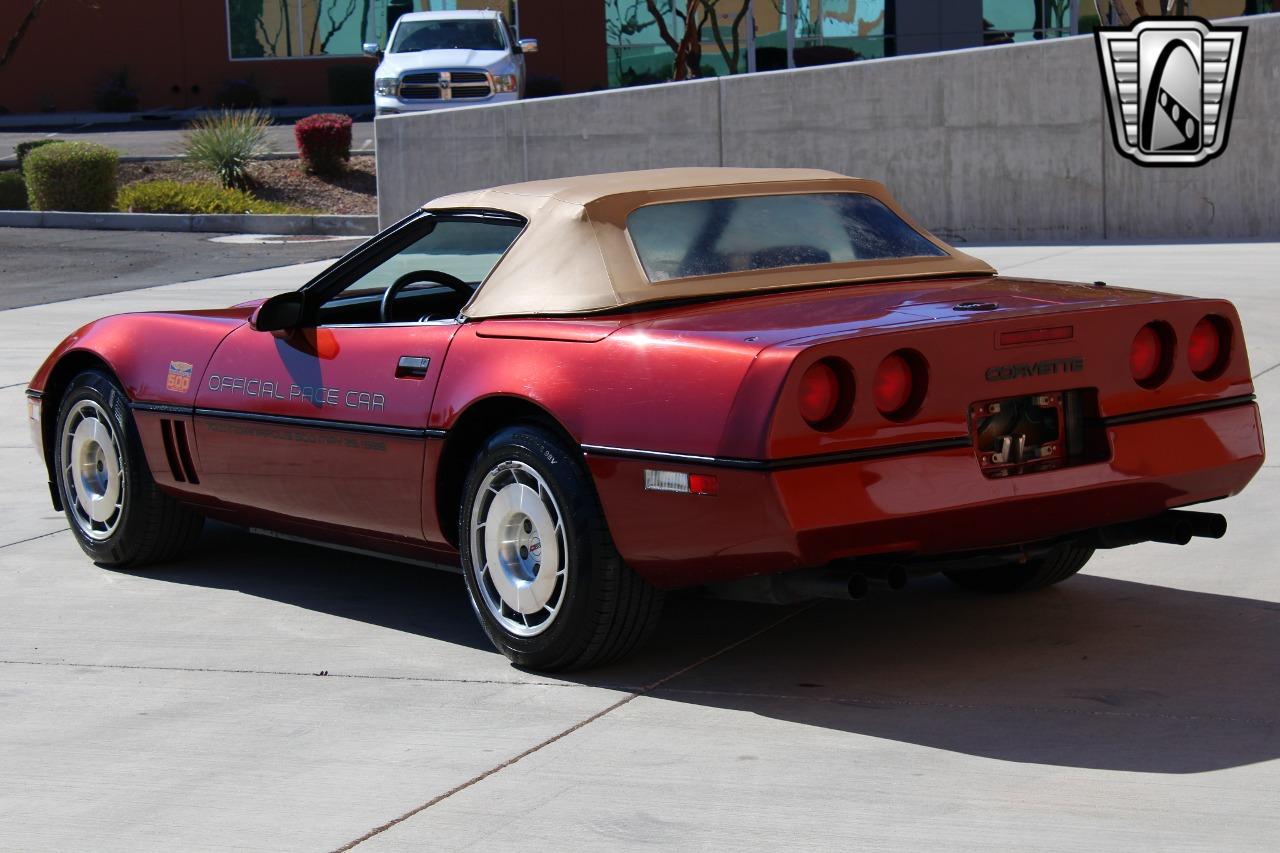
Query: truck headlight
[(505, 83), (389, 86)]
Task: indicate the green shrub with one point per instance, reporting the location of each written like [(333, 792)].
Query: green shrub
[(324, 142), (22, 149), (164, 196), (71, 176), (226, 143), (13, 191)]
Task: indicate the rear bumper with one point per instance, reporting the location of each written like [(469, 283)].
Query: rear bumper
[(930, 502)]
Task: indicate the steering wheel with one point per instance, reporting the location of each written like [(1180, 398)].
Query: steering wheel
[(434, 276)]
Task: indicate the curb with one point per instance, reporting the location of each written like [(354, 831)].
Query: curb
[(227, 223)]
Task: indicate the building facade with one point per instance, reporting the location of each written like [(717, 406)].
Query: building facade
[(82, 55)]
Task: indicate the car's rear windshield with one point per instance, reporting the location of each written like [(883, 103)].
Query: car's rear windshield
[(690, 238), (465, 33)]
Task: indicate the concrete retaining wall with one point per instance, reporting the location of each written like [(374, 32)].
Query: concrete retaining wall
[(991, 144)]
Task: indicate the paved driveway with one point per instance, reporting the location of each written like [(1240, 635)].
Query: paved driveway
[(268, 696), (39, 265), (162, 138)]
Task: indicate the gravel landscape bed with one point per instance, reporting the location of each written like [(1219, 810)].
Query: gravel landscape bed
[(353, 192)]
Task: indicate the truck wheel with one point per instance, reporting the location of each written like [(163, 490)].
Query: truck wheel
[(542, 572), (118, 515), (1060, 563)]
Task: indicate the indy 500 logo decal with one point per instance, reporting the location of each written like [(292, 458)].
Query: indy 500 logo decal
[(1171, 83)]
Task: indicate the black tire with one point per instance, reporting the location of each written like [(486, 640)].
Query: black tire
[(606, 610), (150, 527), (1060, 563)]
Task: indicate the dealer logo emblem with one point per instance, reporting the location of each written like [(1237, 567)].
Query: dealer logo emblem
[(1171, 85)]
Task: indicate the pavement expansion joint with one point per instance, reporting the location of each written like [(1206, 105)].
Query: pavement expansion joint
[(1005, 267), (1268, 370), (34, 538), (581, 724)]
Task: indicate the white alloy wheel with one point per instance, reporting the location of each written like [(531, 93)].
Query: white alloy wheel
[(93, 470), (520, 559)]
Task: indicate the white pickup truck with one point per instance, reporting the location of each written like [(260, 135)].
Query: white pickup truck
[(449, 59)]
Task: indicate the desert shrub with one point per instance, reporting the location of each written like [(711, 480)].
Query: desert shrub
[(71, 176), (324, 142), (166, 196), (13, 191), (226, 143), (22, 149), (115, 95)]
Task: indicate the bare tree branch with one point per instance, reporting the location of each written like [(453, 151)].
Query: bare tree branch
[(16, 39)]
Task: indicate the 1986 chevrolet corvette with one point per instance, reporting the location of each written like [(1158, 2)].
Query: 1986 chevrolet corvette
[(586, 391)]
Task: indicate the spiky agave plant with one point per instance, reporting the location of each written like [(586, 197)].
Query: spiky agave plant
[(226, 143)]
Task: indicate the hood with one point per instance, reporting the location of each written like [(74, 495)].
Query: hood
[(811, 315), (394, 64)]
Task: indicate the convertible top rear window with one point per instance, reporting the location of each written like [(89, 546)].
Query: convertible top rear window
[(691, 238)]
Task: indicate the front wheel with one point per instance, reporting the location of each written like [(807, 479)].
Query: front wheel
[(541, 569), (1061, 562), (119, 516)]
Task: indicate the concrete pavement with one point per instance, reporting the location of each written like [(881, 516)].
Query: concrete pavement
[(278, 697)]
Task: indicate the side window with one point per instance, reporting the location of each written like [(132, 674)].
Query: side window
[(430, 279)]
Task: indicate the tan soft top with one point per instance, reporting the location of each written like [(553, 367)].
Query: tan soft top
[(575, 257)]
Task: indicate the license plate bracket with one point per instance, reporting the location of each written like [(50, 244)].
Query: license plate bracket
[(1019, 435)]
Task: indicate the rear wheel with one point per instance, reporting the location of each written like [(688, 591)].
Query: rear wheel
[(541, 569), (1060, 563), (118, 515)]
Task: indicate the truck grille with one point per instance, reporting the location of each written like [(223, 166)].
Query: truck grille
[(445, 86)]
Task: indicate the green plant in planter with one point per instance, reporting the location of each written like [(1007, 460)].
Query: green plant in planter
[(226, 143), (71, 176), (13, 191)]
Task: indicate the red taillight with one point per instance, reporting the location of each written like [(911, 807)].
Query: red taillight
[(1207, 347), (819, 393), (895, 389), (1149, 355)]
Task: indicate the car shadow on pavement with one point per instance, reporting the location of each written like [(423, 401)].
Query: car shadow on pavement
[(1097, 673)]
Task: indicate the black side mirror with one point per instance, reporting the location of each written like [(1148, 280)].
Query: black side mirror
[(280, 313)]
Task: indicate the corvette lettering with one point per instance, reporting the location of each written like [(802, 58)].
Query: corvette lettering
[(1048, 367), (317, 396)]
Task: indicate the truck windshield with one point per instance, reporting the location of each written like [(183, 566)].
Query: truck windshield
[(689, 238), (464, 33)]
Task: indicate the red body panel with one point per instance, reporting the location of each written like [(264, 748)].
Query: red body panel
[(715, 381)]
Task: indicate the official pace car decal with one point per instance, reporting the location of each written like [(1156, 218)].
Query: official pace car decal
[(179, 377), (318, 396)]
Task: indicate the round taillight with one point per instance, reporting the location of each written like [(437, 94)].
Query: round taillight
[(1150, 355), (826, 394), (1208, 347), (899, 384)]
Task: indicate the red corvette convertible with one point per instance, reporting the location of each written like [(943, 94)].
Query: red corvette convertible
[(586, 391)]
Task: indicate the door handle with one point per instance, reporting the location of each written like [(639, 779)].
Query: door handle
[(412, 367)]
